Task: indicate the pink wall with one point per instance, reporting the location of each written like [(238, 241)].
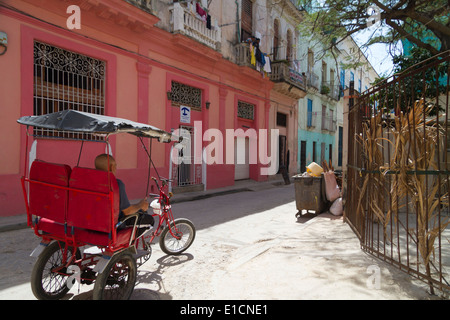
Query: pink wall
[(139, 73)]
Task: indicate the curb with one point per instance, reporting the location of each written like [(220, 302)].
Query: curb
[(14, 226)]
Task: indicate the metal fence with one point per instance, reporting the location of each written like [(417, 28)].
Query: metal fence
[(397, 182)]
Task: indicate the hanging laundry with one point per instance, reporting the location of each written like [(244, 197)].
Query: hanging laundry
[(267, 67), (208, 22), (260, 57), (260, 60), (252, 54), (258, 54), (201, 12), (258, 36)]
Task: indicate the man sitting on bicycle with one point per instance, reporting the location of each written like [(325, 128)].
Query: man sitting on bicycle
[(145, 221)]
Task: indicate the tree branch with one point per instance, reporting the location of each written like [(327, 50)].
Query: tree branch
[(411, 38), (406, 18), (430, 23)]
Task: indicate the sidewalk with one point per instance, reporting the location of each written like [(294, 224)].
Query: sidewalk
[(20, 221)]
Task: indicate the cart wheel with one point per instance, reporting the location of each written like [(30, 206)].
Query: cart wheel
[(173, 246), (117, 281), (45, 283)]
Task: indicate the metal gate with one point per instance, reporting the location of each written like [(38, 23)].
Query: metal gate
[(189, 171), (397, 181)]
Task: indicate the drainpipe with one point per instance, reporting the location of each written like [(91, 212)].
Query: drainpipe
[(238, 33)]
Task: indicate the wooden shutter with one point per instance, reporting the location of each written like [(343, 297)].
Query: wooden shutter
[(289, 46), (276, 32), (247, 18)]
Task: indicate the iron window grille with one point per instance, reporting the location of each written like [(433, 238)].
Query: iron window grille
[(184, 95), (246, 110), (66, 80)]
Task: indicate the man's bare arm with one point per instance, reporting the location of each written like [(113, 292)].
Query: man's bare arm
[(141, 205)]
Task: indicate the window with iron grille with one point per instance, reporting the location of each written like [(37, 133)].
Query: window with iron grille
[(185, 95), (66, 80), (246, 110)]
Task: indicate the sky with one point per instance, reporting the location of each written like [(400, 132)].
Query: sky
[(380, 59), (378, 54)]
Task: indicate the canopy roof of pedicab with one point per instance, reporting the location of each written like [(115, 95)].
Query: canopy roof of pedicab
[(77, 121)]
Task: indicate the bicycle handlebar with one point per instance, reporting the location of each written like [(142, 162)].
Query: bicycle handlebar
[(164, 183), (164, 180)]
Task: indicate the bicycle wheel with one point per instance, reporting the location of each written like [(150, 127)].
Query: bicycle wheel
[(47, 284), (173, 246), (117, 281)]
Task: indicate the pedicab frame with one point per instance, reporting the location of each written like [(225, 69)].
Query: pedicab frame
[(67, 246)]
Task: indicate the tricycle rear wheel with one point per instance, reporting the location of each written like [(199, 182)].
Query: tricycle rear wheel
[(117, 280), (45, 283)]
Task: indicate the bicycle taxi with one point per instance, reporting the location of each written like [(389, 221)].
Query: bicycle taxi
[(75, 210)]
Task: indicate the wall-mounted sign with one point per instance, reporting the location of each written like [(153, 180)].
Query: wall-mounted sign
[(185, 114)]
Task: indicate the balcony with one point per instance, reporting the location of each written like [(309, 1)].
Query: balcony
[(184, 21), (329, 124), (331, 91), (311, 119), (334, 93), (288, 81), (321, 122), (243, 57), (312, 81)]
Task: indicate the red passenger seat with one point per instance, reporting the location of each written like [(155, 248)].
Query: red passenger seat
[(90, 212), (47, 199)]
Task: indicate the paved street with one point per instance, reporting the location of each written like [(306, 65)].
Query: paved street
[(249, 245)]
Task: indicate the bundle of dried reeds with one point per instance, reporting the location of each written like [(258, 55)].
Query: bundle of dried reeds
[(411, 175), (374, 160), (417, 138)]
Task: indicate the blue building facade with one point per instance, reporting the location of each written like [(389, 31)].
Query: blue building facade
[(321, 129)]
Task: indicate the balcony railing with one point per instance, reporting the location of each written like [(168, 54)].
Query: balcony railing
[(287, 80), (328, 123), (332, 91), (311, 119), (313, 80), (185, 22), (243, 57)]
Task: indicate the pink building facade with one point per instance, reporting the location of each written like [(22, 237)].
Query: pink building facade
[(120, 64)]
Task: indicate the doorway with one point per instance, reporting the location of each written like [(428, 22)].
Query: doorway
[(241, 158)]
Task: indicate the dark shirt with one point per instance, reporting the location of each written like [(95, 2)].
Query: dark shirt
[(144, 220), (123, 202)]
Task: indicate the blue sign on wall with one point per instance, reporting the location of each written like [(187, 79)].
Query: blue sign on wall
[(185, 114)]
